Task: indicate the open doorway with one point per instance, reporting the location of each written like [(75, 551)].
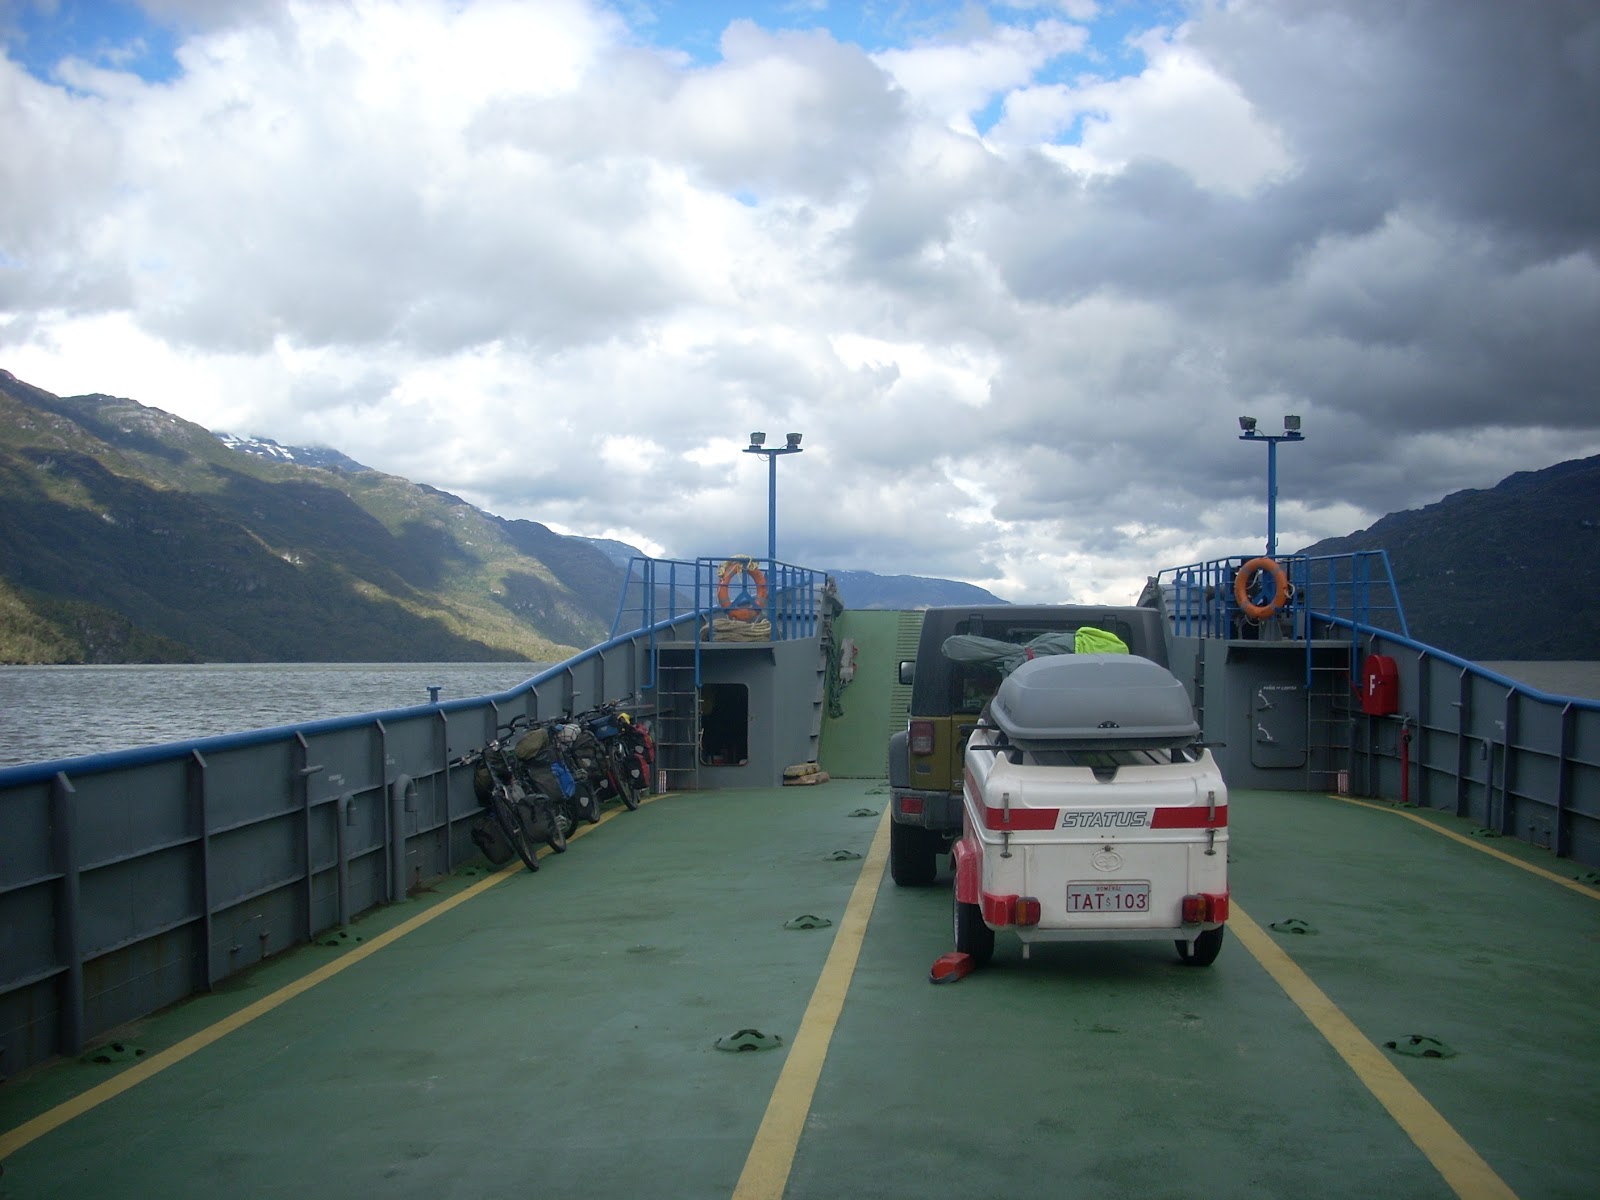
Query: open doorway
[(724, 724)]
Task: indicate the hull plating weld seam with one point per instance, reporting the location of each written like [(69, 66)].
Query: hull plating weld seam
[(15, 1139), (1582, 889), (771, 1157), (1461, 1166)]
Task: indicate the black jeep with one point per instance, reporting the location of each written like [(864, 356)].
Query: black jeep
[(925, 762)]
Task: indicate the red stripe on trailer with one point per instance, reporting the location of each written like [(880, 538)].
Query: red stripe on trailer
[(1014, 818), (1190, 817)]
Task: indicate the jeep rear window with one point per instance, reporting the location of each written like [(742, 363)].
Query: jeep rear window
[(972, 685)]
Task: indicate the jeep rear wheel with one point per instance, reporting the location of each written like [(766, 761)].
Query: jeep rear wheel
[(913, 854)]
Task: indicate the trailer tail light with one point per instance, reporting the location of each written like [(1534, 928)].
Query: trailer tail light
[(921, 737), (1009, 910), (1205, 906)]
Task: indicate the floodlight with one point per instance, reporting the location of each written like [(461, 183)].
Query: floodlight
[(794, 441), (1248, 424), (757, 438), (1291, 424)]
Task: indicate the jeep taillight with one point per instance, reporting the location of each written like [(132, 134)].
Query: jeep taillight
[(921, 740)]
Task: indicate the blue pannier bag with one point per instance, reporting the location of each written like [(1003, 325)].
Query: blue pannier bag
[(564, 778)]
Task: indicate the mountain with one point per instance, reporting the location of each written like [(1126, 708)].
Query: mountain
[(128, 534), (859, 589), (1509, 572), (863, 589), (305, 456)]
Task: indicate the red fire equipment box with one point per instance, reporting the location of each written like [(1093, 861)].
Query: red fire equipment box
[(1380, 686)]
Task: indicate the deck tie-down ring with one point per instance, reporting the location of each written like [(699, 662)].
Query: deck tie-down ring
[(1294, 925), (749, 1039), (1420, 1045), (115, 1052), (808, 921)]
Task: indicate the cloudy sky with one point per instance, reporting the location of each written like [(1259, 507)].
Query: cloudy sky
[(1013, 269)]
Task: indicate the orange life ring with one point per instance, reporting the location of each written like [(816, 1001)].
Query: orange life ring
[(742, 564), (1247, 576)]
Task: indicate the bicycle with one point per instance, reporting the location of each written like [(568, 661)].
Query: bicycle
[(521, 808), (626, 751)]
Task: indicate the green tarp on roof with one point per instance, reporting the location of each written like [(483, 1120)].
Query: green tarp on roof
[(1008, 656)]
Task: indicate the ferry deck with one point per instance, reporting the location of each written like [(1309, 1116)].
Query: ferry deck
[(1402, 1008)]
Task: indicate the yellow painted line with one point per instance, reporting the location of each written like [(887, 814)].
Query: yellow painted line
[(1582, 889), (15, 1139), (767, 1166), (1463, 1169)]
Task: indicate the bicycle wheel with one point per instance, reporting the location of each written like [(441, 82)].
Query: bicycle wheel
[(622, 783), (554, 823), (514, 825)]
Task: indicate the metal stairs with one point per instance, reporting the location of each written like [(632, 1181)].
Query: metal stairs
[(1330, 716), (677, 721)]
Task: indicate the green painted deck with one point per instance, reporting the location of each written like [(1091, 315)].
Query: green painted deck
[(555, 1032)]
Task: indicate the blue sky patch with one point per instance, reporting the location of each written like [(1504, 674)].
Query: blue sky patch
[(114, 34), (119, 35)]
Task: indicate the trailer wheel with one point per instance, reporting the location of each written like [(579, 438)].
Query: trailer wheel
[(972, 935), (913, 854), (1207, 945)]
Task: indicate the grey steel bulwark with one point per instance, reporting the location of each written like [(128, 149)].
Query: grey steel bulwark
[(129, 881), (1279, 701)]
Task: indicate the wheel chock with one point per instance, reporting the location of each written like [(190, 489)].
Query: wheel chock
[(948, 968)]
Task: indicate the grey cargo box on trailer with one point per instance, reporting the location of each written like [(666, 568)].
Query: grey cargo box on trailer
[(1094, 701)]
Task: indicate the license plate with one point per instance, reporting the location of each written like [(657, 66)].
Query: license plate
[(1108, 897)]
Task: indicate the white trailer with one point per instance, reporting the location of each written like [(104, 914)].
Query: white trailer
[(1091, 813)]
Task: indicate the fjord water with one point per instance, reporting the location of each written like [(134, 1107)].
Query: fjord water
[(61, 712)]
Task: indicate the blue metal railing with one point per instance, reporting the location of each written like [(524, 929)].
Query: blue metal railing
[(661, 593), (1354, 588)]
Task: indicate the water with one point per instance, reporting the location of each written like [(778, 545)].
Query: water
[(1580, 679), (61, 712)]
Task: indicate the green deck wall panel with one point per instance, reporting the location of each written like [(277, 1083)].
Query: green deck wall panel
[(855, 746)]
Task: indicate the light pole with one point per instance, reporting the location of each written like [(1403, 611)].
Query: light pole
[(1291, 433), (757, 446)]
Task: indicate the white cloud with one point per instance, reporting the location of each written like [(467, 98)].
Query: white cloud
[(1180, 110), (953, 79)]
